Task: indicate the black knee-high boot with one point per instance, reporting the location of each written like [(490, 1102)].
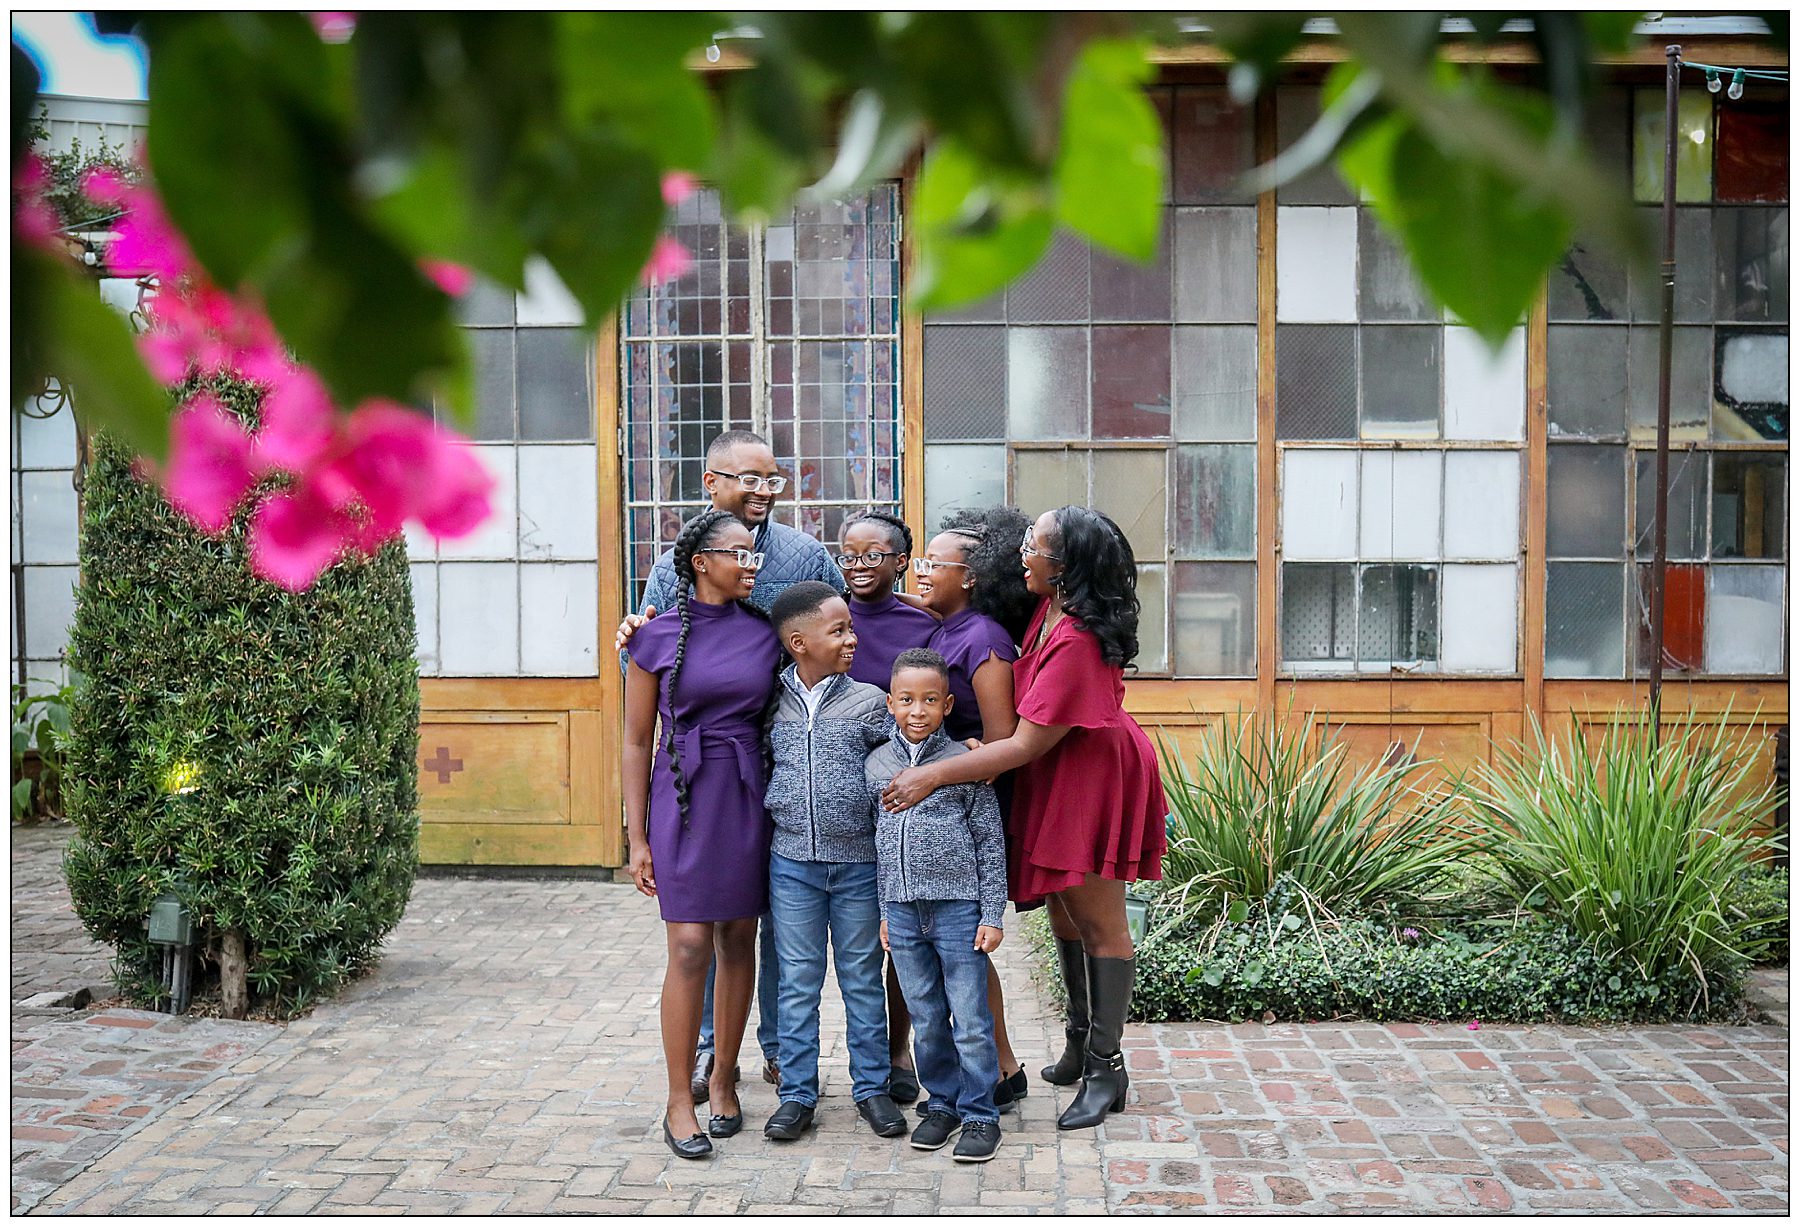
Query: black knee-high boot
[(1104, 1081), (1068, 1067)]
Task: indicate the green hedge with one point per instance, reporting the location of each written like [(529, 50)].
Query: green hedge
[(1762, 897), (1501, 972), (300, 713)]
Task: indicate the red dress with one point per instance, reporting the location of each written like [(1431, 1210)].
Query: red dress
[(1094, 803)]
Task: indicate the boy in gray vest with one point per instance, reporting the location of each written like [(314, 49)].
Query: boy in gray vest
[(942, 866)]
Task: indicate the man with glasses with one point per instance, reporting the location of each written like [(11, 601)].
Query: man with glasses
[(742, 477)]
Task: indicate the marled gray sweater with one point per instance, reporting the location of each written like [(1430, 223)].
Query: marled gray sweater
[(816, 796), (948, 846)]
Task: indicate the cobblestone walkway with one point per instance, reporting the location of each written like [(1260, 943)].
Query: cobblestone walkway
[(505, 1057)]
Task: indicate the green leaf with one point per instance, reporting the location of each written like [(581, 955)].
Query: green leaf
[(1238, 912), (1109, 172), (1253, 973), (1214, 977), (973, 74), (1290, 922), (872, 143), (975, 232), (596, 219), (756, 176), (628, 71), (21, 799)]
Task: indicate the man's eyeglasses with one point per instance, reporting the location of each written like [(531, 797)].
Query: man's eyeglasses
[(754, 483), (1028, 549), (925, 566), (752, 559), (873, 558)]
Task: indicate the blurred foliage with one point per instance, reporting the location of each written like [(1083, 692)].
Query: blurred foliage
[(316, 174)]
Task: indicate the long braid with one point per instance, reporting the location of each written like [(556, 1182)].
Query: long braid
[(694, 535)]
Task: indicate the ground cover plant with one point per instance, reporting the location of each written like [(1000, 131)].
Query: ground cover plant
[(251, 750)]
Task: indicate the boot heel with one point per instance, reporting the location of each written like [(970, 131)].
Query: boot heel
[(1118, 1104)]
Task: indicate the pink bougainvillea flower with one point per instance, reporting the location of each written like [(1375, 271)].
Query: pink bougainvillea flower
[(1474, 1026), (453, 279), (400, 465), (333, 27), (209, 463), (295, 535), (677, 186), (148, 241), (299, 423), (668, 261), (34, 221)]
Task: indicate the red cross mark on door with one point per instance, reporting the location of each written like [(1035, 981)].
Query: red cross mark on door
[(443, 764)]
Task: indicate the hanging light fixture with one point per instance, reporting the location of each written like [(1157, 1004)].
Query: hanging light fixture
[(1736, 88), (1712, 80)]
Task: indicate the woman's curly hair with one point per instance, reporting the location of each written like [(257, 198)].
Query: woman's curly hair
[(991, 537), (1098, 580)]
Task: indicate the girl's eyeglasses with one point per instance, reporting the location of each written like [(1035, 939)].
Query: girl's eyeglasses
[(1029, 550), (873, 558), (753, 559), (925, 566)]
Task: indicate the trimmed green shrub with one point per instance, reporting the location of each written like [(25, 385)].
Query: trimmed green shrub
[(1531, 971), (1758, 900), (1630, 842), (252, 750)]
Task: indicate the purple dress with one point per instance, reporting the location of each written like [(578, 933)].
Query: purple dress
[(715, 866), (885, 627), (966, 641)]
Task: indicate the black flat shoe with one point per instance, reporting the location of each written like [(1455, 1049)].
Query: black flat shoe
[(789, 1122), (725, 1126), (883, 1117), (903, 1085), (695, 1147)]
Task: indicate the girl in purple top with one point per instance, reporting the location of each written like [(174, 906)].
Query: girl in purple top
[(877, 545), (696, 820), (970, 577)]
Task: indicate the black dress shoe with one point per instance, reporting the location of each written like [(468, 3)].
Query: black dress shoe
[(703, 1067), (1008, 1091), (883, 1117), (789, 1122), (695, 1147), (725, 1126), (903, 1085)]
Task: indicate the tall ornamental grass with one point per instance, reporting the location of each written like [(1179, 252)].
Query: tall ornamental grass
[(1270, 806), (1632, 841)]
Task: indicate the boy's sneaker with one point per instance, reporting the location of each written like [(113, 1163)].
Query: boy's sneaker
[(936, 1129), (980, 1139)]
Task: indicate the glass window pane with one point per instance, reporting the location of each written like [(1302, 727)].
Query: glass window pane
[(1215, 382), (1318, 503), (478, 619), (1751, 265), (1213, 146), (1388, 287), (492, 351), (1687, 504), (558, 489), (1684, 616), (1750, 384), (1046, 383), (1584, 620), (1315, 382), (1153, 617), (1056, 289), (1215, 502), (1481, 504), (554, 397), (1481, 619), (1402, 494), (1693, 146), (559, 616), (1693, 269), (1690, 373), (1743, 620), (498, 536), (1318, 614), (1589, 284), (1131, 382), (1402, 381), (1133, 488), (965, 382), (1484, 392), (1749, 506), (1127, 290), (1398, 620), (485, 303), (424, 590), (1215, 266), (1048, 479), (1586, 381), (1586, 501), (1753, 150), (1315, 265), (962, 477), (1296, 110), (1215, 619)]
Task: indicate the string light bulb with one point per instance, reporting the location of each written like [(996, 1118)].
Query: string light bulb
[(712, 53), (1736, 89), (1712, 80)]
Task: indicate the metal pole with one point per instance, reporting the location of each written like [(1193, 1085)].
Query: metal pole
[(1660, 558)]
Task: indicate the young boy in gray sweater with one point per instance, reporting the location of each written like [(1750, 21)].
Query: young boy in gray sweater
[(942, 866)]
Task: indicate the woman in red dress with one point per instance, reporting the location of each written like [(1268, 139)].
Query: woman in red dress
[(1088, 810)]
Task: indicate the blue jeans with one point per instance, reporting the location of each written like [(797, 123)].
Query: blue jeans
[(945, 980), (768, 994), (811, 900)]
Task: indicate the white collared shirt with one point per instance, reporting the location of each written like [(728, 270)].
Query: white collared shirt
[(913, 747), (814, 696)]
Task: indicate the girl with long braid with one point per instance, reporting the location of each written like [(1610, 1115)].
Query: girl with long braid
[(697, 820)]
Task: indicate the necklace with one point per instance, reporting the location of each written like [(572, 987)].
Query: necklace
[(1051, 618)]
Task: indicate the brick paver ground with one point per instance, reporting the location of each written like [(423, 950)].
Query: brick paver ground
[(504, 1057)]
